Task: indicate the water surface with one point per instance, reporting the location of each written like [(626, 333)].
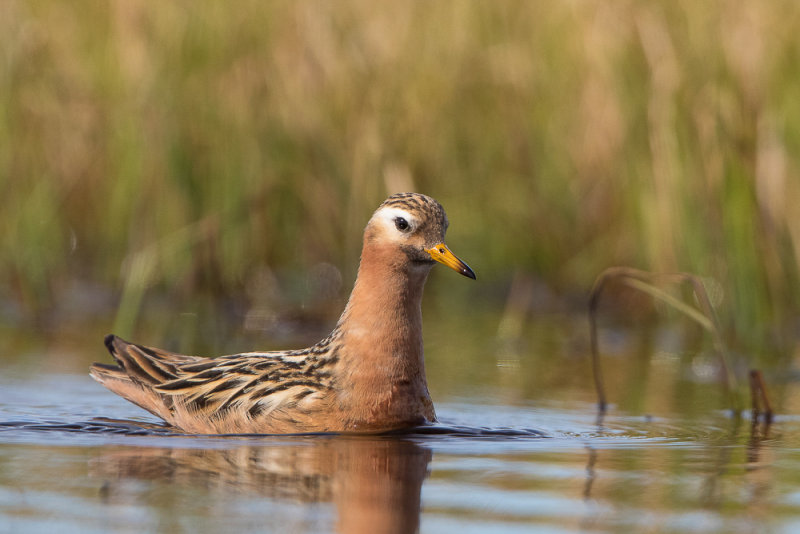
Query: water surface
[(519, 448)]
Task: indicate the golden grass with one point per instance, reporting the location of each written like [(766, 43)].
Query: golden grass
[(562, 137)]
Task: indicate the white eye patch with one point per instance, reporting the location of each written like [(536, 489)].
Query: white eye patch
[(390, 216)]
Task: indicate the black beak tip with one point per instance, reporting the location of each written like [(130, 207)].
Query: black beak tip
[(469, 273)]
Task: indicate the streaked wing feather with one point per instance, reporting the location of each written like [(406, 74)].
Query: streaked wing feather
[(224, 390)]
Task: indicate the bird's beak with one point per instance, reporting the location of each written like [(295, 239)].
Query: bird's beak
[(443, 255)]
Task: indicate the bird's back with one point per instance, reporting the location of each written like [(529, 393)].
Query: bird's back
[(277, 392)]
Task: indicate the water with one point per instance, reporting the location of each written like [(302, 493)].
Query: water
[(519, 449)]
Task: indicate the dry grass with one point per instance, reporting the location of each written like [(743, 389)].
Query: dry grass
[(563, 137)]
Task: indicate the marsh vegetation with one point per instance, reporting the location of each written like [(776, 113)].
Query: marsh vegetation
[(173, 149)]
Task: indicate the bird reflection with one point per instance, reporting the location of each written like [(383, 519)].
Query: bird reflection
[(374, 483)]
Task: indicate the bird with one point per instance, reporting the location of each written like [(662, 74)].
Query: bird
[(367, 376)]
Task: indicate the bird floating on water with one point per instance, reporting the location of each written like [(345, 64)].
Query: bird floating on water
[(368, 375)]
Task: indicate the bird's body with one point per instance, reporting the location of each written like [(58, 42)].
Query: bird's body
[(368, 375)]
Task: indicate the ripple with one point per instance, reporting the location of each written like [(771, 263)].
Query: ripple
[(137, 428)]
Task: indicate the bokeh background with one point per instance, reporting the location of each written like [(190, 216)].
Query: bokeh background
[(158, 159)]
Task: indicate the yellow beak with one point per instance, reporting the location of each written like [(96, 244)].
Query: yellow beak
[(443, 255)]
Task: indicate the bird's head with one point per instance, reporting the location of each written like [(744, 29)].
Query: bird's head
[(416, 225)]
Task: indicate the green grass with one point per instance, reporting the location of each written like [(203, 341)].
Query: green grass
[(182, 147)]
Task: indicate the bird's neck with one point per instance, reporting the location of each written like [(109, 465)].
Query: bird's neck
[(383, 376), (384, 313)]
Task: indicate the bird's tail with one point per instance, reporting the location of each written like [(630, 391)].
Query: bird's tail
[(139, 369)]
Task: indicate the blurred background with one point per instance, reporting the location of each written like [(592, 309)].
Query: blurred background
[(200, 174)]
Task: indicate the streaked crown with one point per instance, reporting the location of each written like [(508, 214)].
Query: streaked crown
[(424, 206)]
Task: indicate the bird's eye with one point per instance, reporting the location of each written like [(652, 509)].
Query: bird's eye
[(402, 224)]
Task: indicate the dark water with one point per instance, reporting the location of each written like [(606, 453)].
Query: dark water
[(519, 449)]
